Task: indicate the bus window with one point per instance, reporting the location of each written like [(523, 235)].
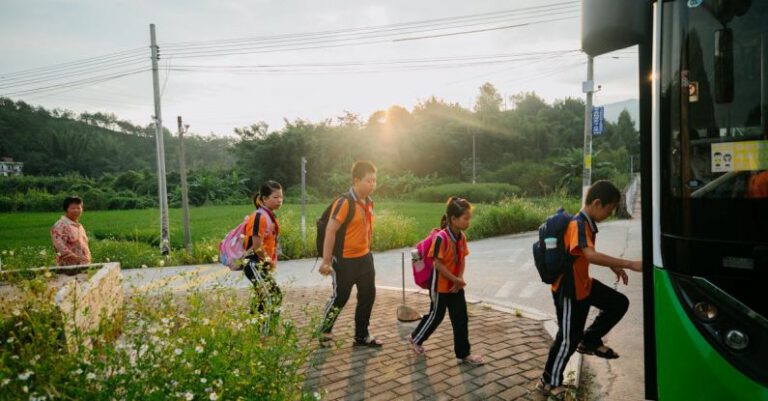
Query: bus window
[(719, 120)]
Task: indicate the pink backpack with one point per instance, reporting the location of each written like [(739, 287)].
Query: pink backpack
[(231, 250), (423, 267)]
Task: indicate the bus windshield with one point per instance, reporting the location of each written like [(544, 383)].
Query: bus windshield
[(715, 73)]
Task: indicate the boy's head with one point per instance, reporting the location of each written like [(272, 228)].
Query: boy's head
[(364, 177), (602, 199)]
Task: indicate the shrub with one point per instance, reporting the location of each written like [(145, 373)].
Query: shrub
[(475, 193), (515, 215), (190, 346), (393, 230), (535, 179)]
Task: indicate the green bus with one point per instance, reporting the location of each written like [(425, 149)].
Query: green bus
[(703, 68)]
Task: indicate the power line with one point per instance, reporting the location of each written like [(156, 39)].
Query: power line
[(371, 66), (441, 35), (338, 41), (287, 42), (372, 29), (78, 83), (63, 66), (64, 75)]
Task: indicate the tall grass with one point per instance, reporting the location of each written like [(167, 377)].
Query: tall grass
[(194, 346)]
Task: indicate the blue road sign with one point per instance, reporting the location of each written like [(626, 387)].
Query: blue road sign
[(598, 113)]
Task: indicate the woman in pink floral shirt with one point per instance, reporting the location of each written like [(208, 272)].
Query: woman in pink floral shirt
[(68, 235)]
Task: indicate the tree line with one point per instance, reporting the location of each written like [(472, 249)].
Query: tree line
[(534, 146)]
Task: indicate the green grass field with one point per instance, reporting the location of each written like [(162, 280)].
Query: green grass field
[(132, 236), (207, 223)]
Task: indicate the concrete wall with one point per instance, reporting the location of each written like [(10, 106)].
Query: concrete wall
[(84, 304)]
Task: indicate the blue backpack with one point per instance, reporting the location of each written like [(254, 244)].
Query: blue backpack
[(552, 262)]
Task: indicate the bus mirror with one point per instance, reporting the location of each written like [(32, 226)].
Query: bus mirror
[(724, 85)]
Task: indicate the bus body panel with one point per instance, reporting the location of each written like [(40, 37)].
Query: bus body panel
[(697, 371)]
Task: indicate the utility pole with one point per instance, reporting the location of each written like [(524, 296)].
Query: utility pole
[(588, 87), (474, 164), (303, 200), (184, 193), (162, 191)]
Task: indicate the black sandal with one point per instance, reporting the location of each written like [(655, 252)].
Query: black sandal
[(369, 341), (606, 352), (326, 340), (549, 391)]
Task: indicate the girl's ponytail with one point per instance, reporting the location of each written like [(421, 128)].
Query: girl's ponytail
[(444, 221)]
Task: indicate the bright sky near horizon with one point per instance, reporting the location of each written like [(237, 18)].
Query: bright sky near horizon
[(230, 63)]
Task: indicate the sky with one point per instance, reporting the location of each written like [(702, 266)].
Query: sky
[(445, 48)]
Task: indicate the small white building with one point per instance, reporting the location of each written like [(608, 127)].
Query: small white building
[(8, 167)]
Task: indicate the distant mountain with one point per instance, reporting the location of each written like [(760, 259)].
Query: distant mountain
[(612, 110)]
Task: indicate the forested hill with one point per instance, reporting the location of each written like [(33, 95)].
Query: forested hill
[(54, 142)]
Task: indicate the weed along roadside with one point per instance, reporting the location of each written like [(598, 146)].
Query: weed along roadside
[(82, 299), (188, 345)]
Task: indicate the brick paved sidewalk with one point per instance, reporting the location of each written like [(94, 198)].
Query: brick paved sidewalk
[(514, 347)]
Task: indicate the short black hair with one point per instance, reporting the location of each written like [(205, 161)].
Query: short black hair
[(70, 200), (361, 168), (605, 191)]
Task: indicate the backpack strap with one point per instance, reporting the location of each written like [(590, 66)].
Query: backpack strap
[(352, 209), (338, 246), (456, 253)]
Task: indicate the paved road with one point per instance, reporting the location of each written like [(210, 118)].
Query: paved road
[(499, 270)]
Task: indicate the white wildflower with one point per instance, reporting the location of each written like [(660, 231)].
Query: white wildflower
[(10, 253), (206, 321), (9, 340), (43, 252), (25, 375), (189, 396), (143, 266), (5, 381), (316, 395), (161, 263), (90, 376), (213, 397), (199, 349), (203, 380), (16, 312)]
